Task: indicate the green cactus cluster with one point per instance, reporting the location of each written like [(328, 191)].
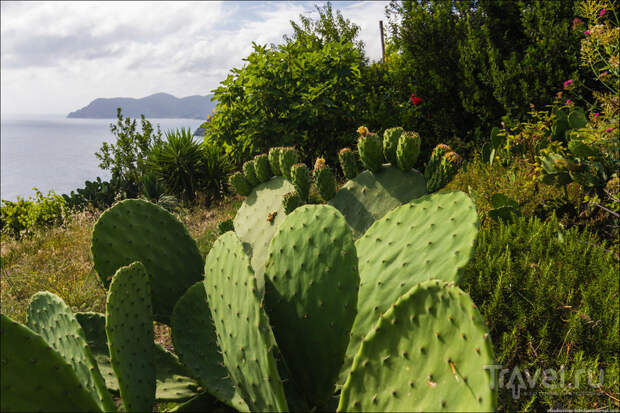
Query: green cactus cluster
[(442, 166), (349, 305)]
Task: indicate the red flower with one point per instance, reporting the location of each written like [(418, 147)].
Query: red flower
[(415, 100)]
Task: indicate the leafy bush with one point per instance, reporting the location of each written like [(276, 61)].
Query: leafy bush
[(550, 297), (126, 158), (97, 194), (185, 166), (25, 215), (304, 92)]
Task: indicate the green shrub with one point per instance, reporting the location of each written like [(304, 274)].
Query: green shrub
[(551, 299), (304, 92), (96, 194), (126, 158), (25, 215)]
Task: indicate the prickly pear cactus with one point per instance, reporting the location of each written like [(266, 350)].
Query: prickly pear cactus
[(428, 352), (194, 338), (172, 378), (257, 220), (324, 180), (291, 201), (369, 196), (240, 184), (263, 170), (390, 143), (129, 327), (249, 171), (432, 172), (312, 293), (51, 318), (288, 157), (274, 160), (35, 377), (408, 150), (371, 151), (136, 230), (348, 164), (243, 332), (300, 178), (431, 237)]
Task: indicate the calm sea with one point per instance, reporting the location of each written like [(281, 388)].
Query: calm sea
[(51, 152)]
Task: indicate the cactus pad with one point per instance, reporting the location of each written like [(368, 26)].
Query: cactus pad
[(408, 150), (288, 157), (51, 318), (325, 181), (194, 338), (291, 201), (240, 184), (428, 352), (300, 178), (312, 293), (129, 327), (242, 327), (34, 377), (390, 143), (431, 237), (348, 163), (257, 220), (371, 152), (136, 230), (370, 196), (263, 170), (274, 160), (173, 381), (249, 171)]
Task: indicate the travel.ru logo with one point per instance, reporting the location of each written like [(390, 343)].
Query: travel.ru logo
[(522, 380)]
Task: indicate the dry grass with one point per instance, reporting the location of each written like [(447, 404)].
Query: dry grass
[(59, 259)]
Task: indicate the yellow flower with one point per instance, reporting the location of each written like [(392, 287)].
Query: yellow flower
[(363, 130)]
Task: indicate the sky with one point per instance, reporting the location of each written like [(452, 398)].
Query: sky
[(57, 57)]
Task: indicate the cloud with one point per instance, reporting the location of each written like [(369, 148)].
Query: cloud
[(60, 56)]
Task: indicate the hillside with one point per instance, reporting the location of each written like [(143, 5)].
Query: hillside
[(159, 105)]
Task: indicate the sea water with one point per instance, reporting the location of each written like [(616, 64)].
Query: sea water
[(52, 152)]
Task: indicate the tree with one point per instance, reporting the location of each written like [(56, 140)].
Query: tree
[(126, 158)]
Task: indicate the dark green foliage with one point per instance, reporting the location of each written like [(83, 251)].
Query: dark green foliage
[(300, 178), (126, 159), (152, 189), (240, 184), (26, 215), (305, 91), (225, 226), (185, 165), (291, 201), (97, 194), (348, 163), (550, 298)]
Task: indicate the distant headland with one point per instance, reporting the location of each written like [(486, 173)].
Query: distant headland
[(159, 105)]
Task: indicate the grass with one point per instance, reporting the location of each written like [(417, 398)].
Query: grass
[(59, 259)]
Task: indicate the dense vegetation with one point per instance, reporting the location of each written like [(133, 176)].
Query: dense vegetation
[(526, 90)]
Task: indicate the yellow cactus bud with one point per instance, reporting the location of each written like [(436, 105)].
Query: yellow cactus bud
[(363, 130)]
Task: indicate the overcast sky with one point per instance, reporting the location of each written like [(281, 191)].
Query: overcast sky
[(57, 57)]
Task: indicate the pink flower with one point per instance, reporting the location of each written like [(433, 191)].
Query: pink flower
[(596, 114), (587, 32), (608, 130), (604, 74), (577, 22), (568, 83), (602, 12), (568, 101)]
